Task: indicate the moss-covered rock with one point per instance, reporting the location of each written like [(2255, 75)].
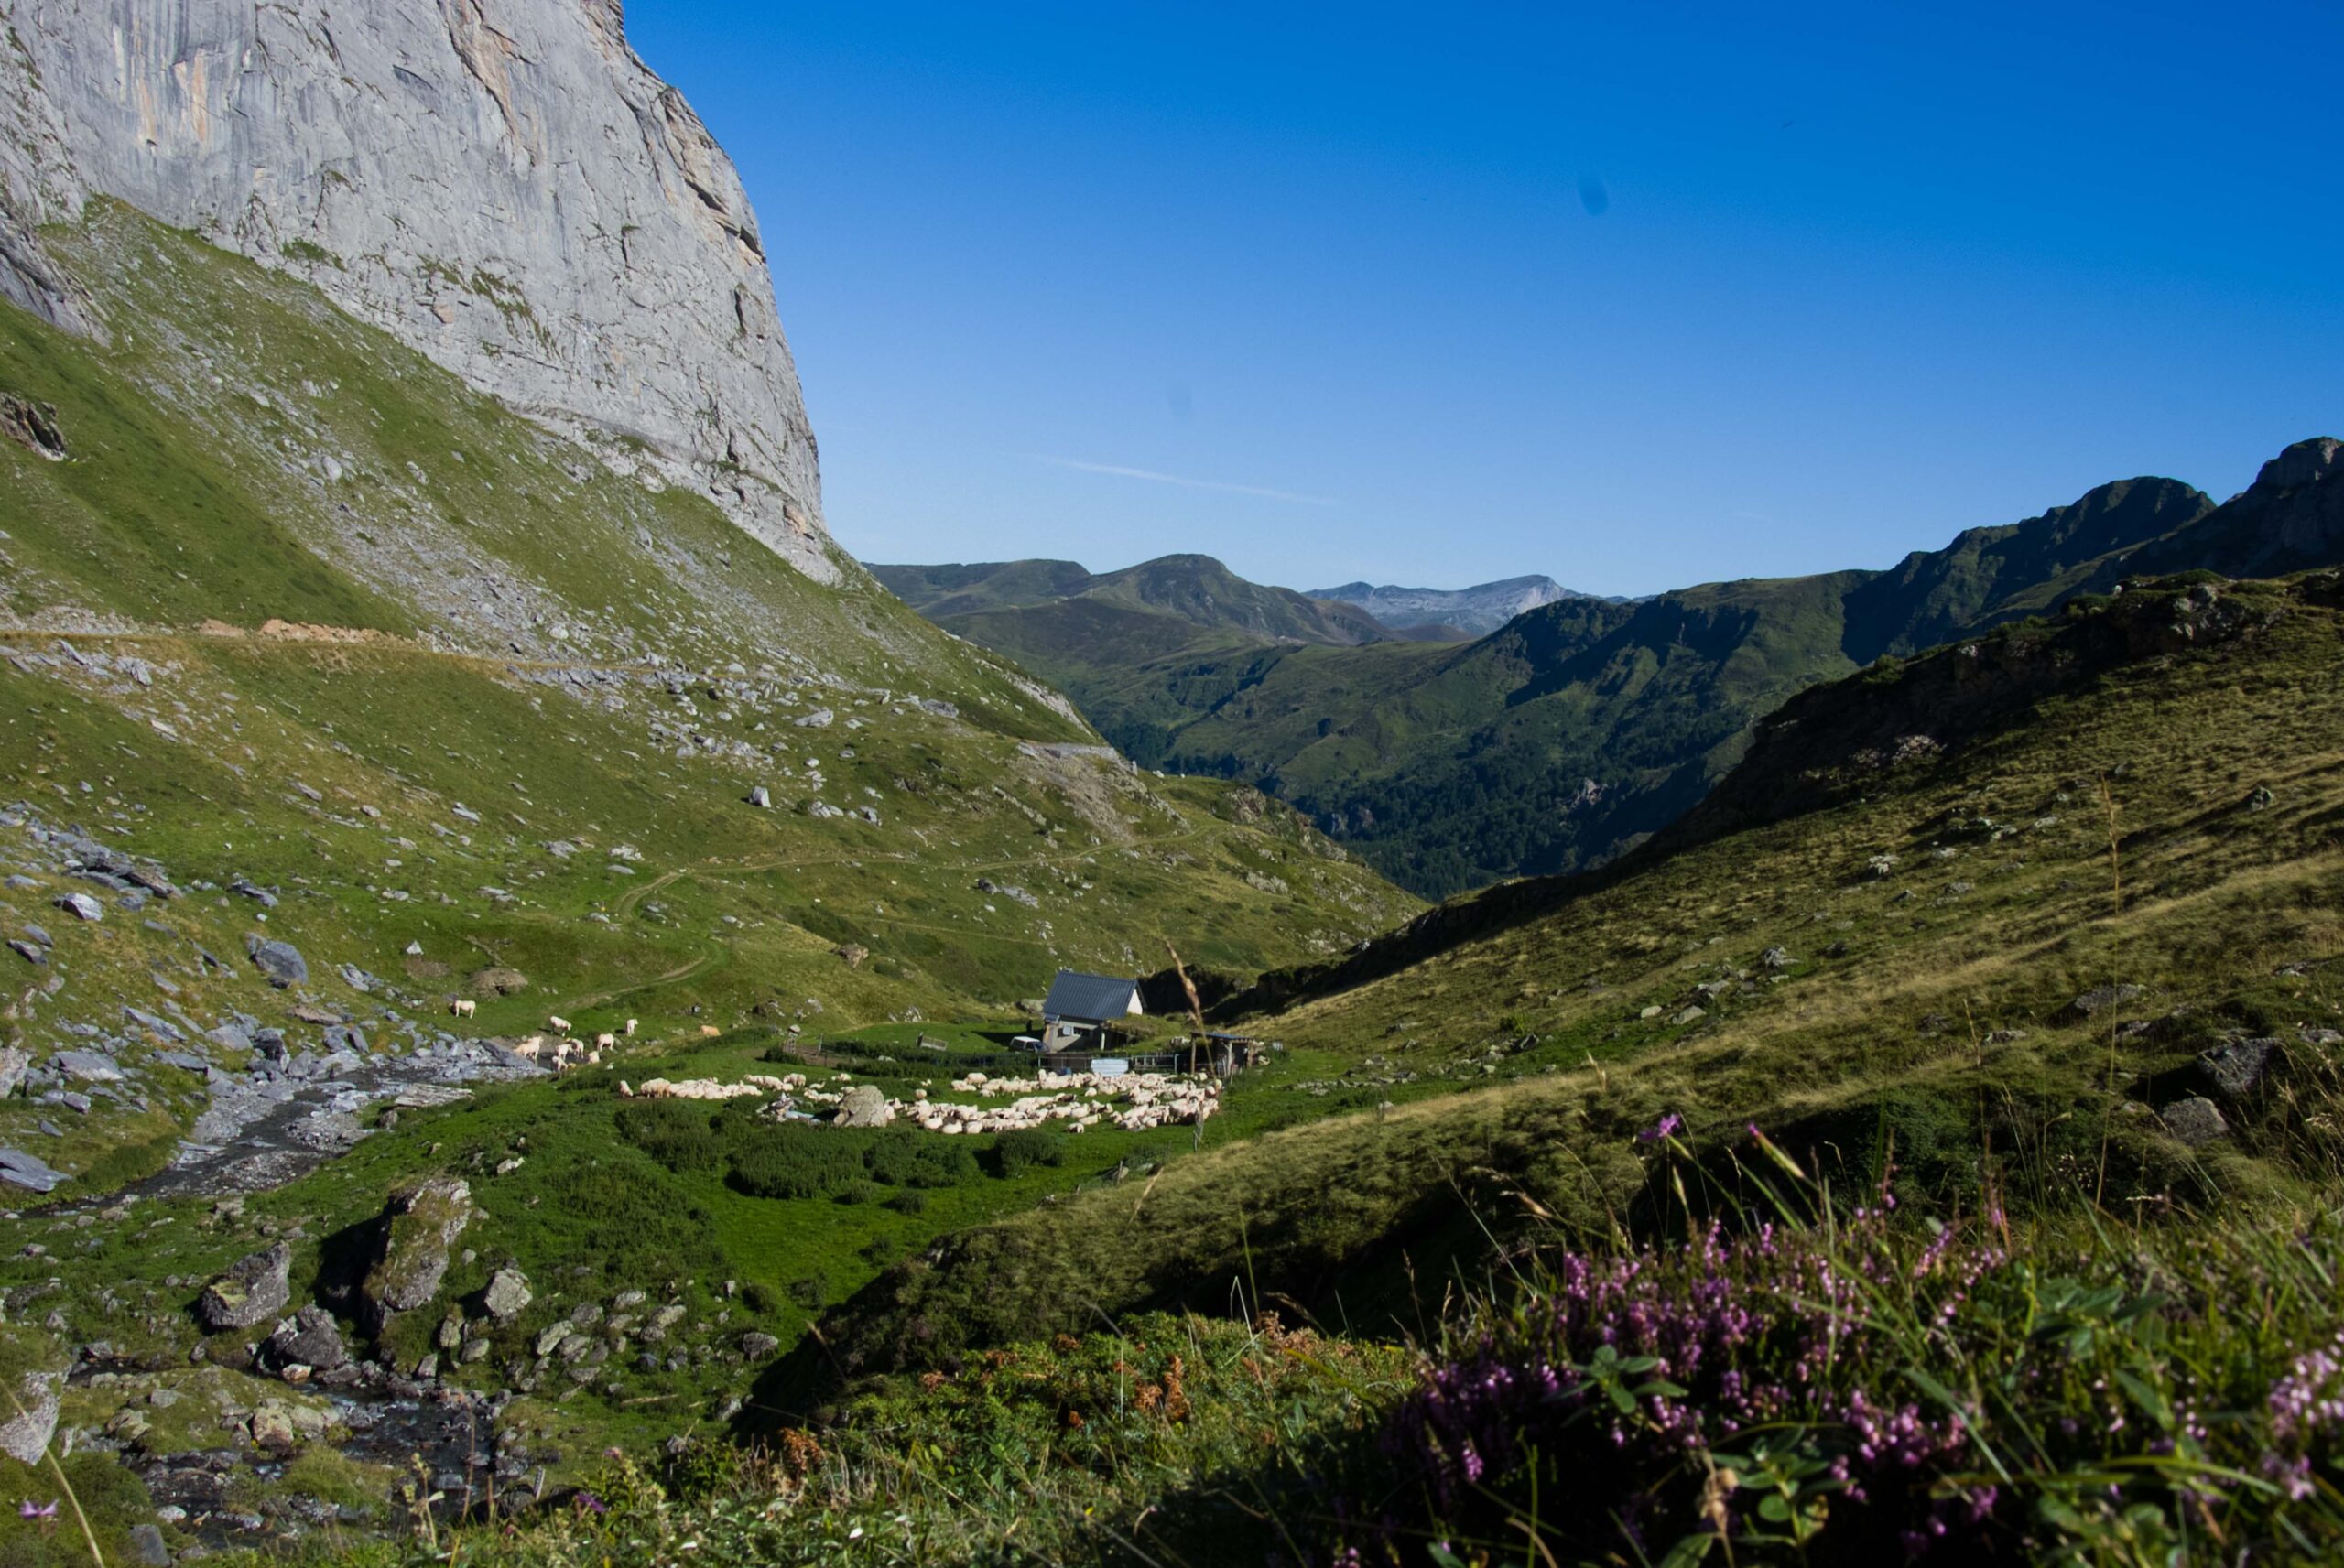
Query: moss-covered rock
[(420, 1228)]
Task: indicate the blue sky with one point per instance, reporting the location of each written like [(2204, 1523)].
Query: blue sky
[(1636, 296)]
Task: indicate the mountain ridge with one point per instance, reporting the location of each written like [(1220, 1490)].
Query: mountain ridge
[(1581, 726), (1476, 610)]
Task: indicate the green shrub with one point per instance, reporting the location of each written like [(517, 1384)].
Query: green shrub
[(679, 1134), (909, 1202), (796, 1160), (810, 1291), (902, 1158), (761, 1298), (1014, 1154)]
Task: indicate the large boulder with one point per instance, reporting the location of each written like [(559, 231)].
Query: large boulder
[(2195, 1120), (420, 1228), (865, 1105), (252, 1290), (281, 962), (507, 1296), (23, 1169), (2236, 1069), (32, 1371), (308, 1339)]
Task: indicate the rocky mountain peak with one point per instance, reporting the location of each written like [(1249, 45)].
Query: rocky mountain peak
[(501, 184), (2306, 462)]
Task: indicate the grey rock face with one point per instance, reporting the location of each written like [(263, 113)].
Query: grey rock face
[(82, 907), (501, 184), (252, 1290)]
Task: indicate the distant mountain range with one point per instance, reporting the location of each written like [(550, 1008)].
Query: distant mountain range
[(1581, 726), (1435, 614), (1195, 591)]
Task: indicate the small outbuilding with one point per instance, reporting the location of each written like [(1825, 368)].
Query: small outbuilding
[(1081, 1008)]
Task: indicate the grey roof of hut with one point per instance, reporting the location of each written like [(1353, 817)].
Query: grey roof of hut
[(1093, 998)]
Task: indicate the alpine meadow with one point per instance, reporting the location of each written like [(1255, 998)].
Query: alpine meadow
[(552, 1016)]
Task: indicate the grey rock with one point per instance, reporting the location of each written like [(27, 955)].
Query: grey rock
[(761, 797), (29, 1420), (508, 1294), (2236, 1069), (88, 1066), (27, 951), (82, 907), (36, 934), (308, 1339), (865, 1105), (147, 1543), (14, 1064), (161, 1028), (1689, 1015), (282, 963), (757, 1346), (183, 1060), (261, 895), (420, 1226), (593, 263), (29, 1171), (2195, 1120), (1775, 959), (252, 1290), (2101, 998)]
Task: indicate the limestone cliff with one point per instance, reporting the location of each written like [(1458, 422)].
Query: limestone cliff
[(500, 183)]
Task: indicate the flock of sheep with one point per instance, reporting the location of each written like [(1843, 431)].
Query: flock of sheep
[(1133, 1102), (1082, 1100)]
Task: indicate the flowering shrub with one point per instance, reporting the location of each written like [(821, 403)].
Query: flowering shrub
[(1858, 1389)]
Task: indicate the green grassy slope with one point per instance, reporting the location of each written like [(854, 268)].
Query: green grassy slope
[(1860, 948), (519, 717)]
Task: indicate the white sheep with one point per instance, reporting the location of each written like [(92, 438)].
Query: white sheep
[(463, 1007), (558, 1025), (605, 1041), (629, 1030)]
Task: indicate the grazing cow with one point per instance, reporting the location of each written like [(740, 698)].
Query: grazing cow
[(464, 1008), (558, 1025), (604, 1042), (629, 1030)]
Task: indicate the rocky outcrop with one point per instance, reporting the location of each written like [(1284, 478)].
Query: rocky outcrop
[(2289, 519), (420, 1226), (501, 184), (252, 1290)]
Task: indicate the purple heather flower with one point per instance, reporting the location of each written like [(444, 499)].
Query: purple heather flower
[(38, 1510), (1661, 1129)]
